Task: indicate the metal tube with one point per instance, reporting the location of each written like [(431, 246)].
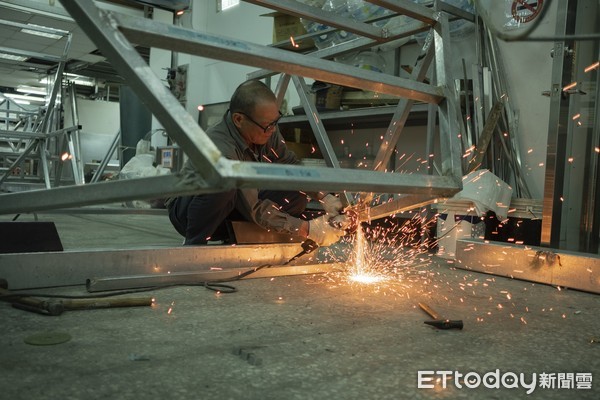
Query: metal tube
[(228, 49)]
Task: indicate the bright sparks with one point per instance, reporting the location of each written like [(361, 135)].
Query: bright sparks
[(366, 278), (390, 257), (592, 67)]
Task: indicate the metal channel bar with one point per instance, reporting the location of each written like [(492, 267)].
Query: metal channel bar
[(392, 134), (30, 54), (351, 46), (281, 89), (111, 150), (46, 126), (458, 12), (32, 270), (191, 278), (591, 214), (77, 175), (102, 29), (328, 18), (35, 28), (408, 8), (402, 203), (557, 128), (39, 139), (280, 176), (18, 161), (501, 89), (430, 143), (188, 41), (75, 138), (235, 174), (37, 135), (319, 131), (315, 123), (42, 146), (99, 193), (535, 264), (448, 110)]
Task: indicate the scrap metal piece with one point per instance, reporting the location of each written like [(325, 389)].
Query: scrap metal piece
[(194, 278), (536, 264)]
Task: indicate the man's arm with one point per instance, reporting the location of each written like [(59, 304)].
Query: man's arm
[(267, 214)]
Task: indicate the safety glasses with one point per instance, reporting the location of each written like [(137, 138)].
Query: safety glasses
[(270, 126)]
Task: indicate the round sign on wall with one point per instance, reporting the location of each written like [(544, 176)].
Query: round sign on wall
[(526, 10)]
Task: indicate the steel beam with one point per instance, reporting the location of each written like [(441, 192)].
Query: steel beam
[(409, 8), (102, 28), (316, 123), (195, 278), (329, 18), (34, 270), (448, 110), (215, 173), (235, 174), (8, 135), (392, 134), (400, 204), (318, 129), (350, 46), (278, 176), (558, 128), (31, 54), (536, 264), (99, 193), (184, 40)]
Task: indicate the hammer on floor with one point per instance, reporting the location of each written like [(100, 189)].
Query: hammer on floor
[(438, 322), (57, 307)]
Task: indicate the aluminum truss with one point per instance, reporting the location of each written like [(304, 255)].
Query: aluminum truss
[(114, 33), (426, 19), (40, 139)]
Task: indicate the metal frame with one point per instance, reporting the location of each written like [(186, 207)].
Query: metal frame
[(46, 126), (536, 264), (113, 34), (422, 63), (557, 129), (104, 267)]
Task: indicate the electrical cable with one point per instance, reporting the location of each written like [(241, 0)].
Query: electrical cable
[(216, 285)]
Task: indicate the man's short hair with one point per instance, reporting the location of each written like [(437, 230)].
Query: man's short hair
[(248, 95)]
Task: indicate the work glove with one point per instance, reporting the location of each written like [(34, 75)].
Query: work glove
[(323, 233), (332, 205)]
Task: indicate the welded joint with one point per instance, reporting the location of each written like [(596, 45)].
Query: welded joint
[(545, 257)]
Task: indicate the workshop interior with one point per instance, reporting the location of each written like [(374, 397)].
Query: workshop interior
[(460, 136)]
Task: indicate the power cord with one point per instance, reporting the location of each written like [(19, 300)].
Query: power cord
[(308, 246)]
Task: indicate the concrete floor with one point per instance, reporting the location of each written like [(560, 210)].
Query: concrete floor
[(303, 337)]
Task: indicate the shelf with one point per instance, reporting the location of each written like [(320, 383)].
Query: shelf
[(369, 117)]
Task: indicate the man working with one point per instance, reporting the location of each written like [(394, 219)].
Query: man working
[(248, 132)]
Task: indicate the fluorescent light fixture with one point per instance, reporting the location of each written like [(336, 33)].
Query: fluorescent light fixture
[(32, 90), (78, 79), (41, 33), (84, 83), (23, 97), (223, 5), (21, 101), (12, 57)]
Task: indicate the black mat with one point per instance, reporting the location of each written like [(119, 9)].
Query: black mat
[(28, 237)]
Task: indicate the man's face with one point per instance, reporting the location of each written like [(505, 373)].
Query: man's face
[(258, 126)]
